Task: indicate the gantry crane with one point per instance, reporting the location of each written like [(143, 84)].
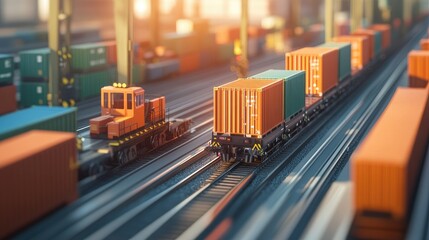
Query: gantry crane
[(59, 24)]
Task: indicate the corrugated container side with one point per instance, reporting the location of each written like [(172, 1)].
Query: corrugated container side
[(33, 93), (386, 165), (294, 89), (6, 69), (374, 38), (418, 65), (321, 66), (360, 53), (424, 44), (7, 99), (248, 107), (38, 117), (385, 32), (344, 69), (90, 84), (86, 57), (34, 63), (37, 178), (189, 62)]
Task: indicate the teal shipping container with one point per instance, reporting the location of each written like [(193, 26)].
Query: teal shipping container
[(344, 55), (33, 93), (40, 118), (294, 89), (378, 42), (88, 57), (34, 63), (6, 69)]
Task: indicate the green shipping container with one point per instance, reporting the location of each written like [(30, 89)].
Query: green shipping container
[(294, 89), (87, 57), (34, 63), (33, 93), (344, 55), (225, 52), (89, 84), (6, 69), (38, 117)]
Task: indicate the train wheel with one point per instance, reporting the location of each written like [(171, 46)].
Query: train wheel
[(122, 157), (155, 142), (162, 139), (225, 157)]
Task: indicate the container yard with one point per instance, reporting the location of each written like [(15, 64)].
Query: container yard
[(227, 119)]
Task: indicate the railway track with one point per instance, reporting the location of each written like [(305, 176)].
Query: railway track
[(285, 213), (72, 219), (175, 222)]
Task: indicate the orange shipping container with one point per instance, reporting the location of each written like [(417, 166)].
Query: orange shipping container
[(371, 37), (418, 69), (385, 32), (227, 34), (360, 50), (249, 107), (386, 165), (424, 44), (7, 99), (35, 179), (320, 65), (189, 62)]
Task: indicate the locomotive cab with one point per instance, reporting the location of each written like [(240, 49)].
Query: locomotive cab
[(122, 111)]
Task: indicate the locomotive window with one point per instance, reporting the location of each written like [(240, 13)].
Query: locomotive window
[(139, 100), (106, 100), (117, 100), (129, 101)]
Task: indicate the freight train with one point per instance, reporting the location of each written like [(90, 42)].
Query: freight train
[(255, 115)]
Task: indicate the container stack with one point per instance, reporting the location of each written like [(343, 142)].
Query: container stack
[(418, 69), (92, 65), (34, 70), (7, 89)]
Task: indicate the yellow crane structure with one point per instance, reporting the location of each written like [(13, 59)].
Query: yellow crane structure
[(59, 37)]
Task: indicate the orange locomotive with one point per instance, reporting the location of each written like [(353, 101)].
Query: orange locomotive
[(132, 122)]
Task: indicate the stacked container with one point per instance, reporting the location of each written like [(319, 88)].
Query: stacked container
[(186, 46), (320, 65), (418, 69), (36, 179), (386, 166), (93, 67), (225, 38), (374, 40), (360, 50), (159, 70), (386, 34), (344, 56), (248, 107), (38, 117), (294, 89), (7, 89), (34, 69)]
